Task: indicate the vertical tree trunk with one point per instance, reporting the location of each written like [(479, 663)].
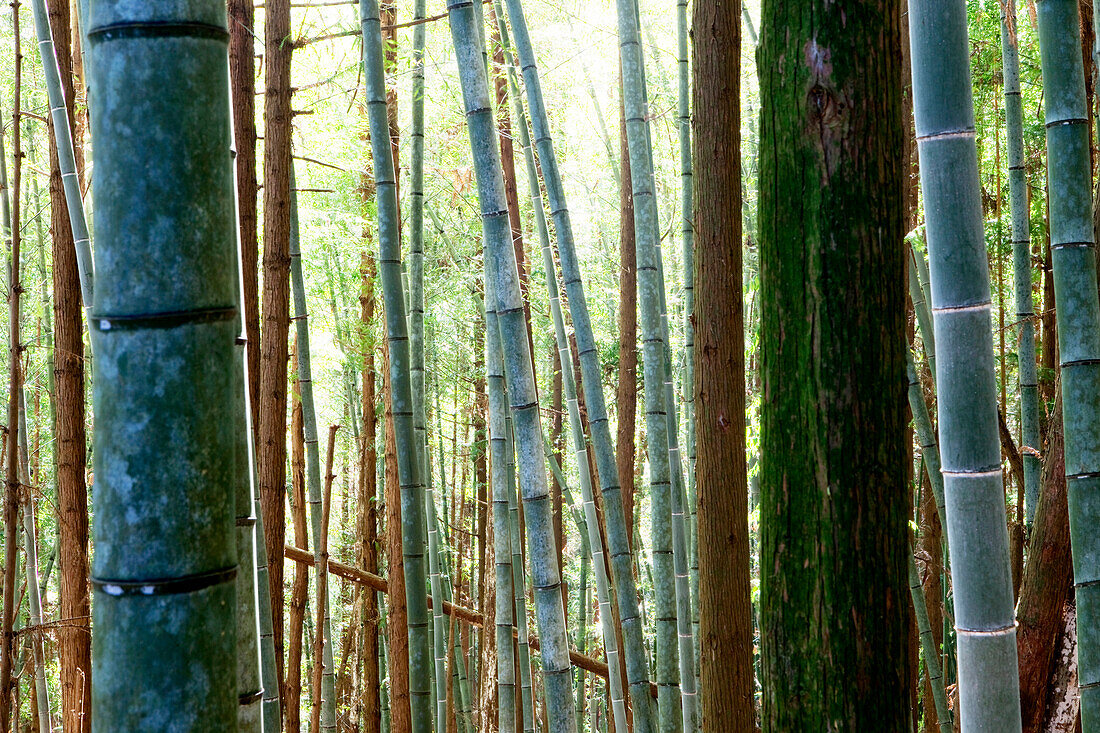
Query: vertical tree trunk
[(396, 616), (242, 71), (271, 446), (71, 453), (834, 509), (299, 593), (1047, 581), (725, 609), (626, 393), (367, 522)]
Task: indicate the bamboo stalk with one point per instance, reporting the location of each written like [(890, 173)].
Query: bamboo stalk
[(960, 299), (397, 334), (164, 446), (1073, 247)]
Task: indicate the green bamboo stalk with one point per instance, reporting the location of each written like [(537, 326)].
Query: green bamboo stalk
[(34, 595), (1073, 253), (519, 581), (313, 459), (960, 297), (618, 534), (501, 268), (669, 547), (439, 625), (688, 243), (587, 524), (928, 647), (1021, 261), (63, 137), (416, 346), (397, 335), (164, 652), (272, 704), (250, 686), (502, 526), (920, 307), (926, 436)]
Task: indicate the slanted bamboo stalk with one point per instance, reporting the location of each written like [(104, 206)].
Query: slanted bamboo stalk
[(501, 267), (34, 596), (397, 334), (63, 137), (618, 533), (587, 524)]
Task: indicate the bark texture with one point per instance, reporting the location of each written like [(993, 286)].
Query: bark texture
[(271, 447), (834, 497), (725, 609), (71, 452), (1047, 581), (242, 75)]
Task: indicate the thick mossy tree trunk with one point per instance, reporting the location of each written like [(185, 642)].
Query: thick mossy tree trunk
[(967, 408), (164, 330), (725, 609), (834, 497)]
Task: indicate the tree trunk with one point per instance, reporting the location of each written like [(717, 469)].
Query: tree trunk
[(271, 446), (725, 609), (242, 71), (367, 521), (71, 453), (626, 393), (1047, 580), (834, 497), (300, 589), (396, 618)]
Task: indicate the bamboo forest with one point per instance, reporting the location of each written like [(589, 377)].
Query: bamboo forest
[(556, 366)]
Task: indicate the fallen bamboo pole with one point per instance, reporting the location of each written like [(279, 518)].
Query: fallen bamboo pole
[(474, 618)]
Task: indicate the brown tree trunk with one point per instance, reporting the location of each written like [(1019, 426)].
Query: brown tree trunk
[(367, 523), (74, 635), (242, 74), (626, 393), (397, 625), (271, 446), (292, 702), (1047, 581), (725, 610)]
